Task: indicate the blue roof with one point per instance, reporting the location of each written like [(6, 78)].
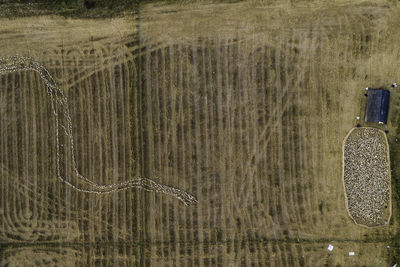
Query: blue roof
[(377, 105)]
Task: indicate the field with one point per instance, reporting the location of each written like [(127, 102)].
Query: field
[(243, 105)]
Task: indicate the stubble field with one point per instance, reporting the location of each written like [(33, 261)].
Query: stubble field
[(247, 113)]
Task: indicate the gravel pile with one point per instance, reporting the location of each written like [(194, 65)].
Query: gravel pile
[(367, 176)]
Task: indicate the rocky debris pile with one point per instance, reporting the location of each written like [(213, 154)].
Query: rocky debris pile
[(367, 176)]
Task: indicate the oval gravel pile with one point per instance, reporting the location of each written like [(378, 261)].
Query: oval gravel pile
[(367, 176)]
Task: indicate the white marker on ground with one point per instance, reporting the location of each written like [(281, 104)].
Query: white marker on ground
[(330, 247), (351, 253)]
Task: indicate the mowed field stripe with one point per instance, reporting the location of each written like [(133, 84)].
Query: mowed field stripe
[(296, 121), (118, 147), (265, 117), (271, 171), (287, 144), (163, 144), (34, 113), (44, 150), (92, 95), (114, 118), (125, 85), (277, 141), (286, 128), (230, 63), (106, 149), (25, 140), (120, 127), (165, 131), (210, 145), (307, 159), (285, 91), (313, 153), (225, 139), (220, 143), (184, 152), (262, 119), (65, 73), (193, 142), (252, 126), (258, 177), (337, 86), (181, 149), (58, 63), (303, 181), (190, 161), (65, 193), (3, 153), (295, 72), (243, 179), (10, 150), (174, 69), (7, 208), (204, 182), (82, 136), (156, 153), (25, 194), (135, 151), (99, 149), (315, 108), (343, 70), (179, 141), (197, 102), (14, 149), (82, 205), (323, 85)]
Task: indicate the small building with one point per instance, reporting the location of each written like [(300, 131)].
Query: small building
[(377, 105)]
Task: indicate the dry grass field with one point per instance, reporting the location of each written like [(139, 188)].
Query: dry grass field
[(244, 105)]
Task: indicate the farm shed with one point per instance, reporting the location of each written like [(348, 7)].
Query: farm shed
[(377, 105)]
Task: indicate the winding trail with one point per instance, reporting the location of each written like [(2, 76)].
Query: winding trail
[(60, 101)]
